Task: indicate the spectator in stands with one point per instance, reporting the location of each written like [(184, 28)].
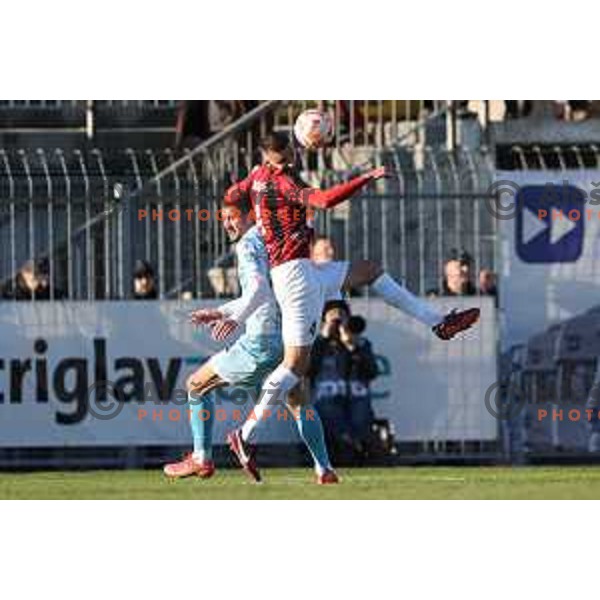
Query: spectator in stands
[(341, 370), (487, 283), (224, 112), (516, 109), (32, 282), (457, 276), (144, 281), (457, 279), (193, 125), (197, 120), (322, 250), (573, 110), (223, 276)]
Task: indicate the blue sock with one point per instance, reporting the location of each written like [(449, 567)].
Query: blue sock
[(202, 419), (311, 431)]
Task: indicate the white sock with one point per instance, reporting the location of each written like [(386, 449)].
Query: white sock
[(275, 389), (397, 295), (200, 456), (259, 410)]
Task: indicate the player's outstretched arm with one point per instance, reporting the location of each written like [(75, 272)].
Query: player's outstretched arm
[(338, 193)]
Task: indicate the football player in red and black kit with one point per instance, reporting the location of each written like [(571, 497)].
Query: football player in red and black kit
[(283, 203)]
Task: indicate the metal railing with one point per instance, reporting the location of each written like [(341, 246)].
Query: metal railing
[(60, 206)]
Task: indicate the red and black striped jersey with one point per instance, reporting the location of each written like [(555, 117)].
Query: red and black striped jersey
[(282, 204)]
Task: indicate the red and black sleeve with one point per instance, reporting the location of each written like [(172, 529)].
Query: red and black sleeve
[(338, 193)]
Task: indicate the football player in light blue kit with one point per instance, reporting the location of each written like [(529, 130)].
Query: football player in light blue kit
[(247, 362)]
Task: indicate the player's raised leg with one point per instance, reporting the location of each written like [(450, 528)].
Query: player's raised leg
[(369, 273)]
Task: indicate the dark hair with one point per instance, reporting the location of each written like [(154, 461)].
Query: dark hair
[(277, 141), (461, 256), (142, 269), (243, 208), (40, 266), (236, 197), (336, 304)]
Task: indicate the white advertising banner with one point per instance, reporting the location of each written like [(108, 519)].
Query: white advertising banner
[(54, 356)]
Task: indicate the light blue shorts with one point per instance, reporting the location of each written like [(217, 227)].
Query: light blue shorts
[(249, 360)]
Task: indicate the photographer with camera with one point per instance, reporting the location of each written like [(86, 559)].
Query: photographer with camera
[(342, 367)]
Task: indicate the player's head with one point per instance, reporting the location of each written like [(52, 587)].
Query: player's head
[(237, 219), (276, 149)]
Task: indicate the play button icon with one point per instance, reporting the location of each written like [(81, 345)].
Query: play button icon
[(549, 236)]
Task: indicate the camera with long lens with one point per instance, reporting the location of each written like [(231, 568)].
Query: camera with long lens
[(356, 325)]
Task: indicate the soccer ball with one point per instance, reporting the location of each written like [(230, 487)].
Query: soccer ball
[(313, 128)]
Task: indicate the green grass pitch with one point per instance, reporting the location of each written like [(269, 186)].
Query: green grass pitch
[(365, 483)]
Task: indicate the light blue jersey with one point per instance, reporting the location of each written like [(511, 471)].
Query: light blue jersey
[(253, 271), (259, 350)]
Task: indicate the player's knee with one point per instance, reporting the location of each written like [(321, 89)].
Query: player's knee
[(195, 384), (372, 270), (297, 363), (190, 383), (199, 393), (363, 272)]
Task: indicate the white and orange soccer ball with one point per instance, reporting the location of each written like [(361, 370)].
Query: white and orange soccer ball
[(313, 128)]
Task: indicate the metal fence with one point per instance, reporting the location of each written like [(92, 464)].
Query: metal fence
[(52, 205), (61, 207)]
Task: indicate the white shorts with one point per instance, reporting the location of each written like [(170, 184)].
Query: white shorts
[(302, 287)]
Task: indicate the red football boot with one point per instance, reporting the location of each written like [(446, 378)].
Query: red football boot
[(455, 322), (327, 478), (189, 467), (245, 454)]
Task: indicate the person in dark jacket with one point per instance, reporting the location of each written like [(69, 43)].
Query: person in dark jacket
[(342, 368), (32, 282)]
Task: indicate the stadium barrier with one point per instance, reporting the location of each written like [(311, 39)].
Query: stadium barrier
[(103, 383), (68, 207)]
